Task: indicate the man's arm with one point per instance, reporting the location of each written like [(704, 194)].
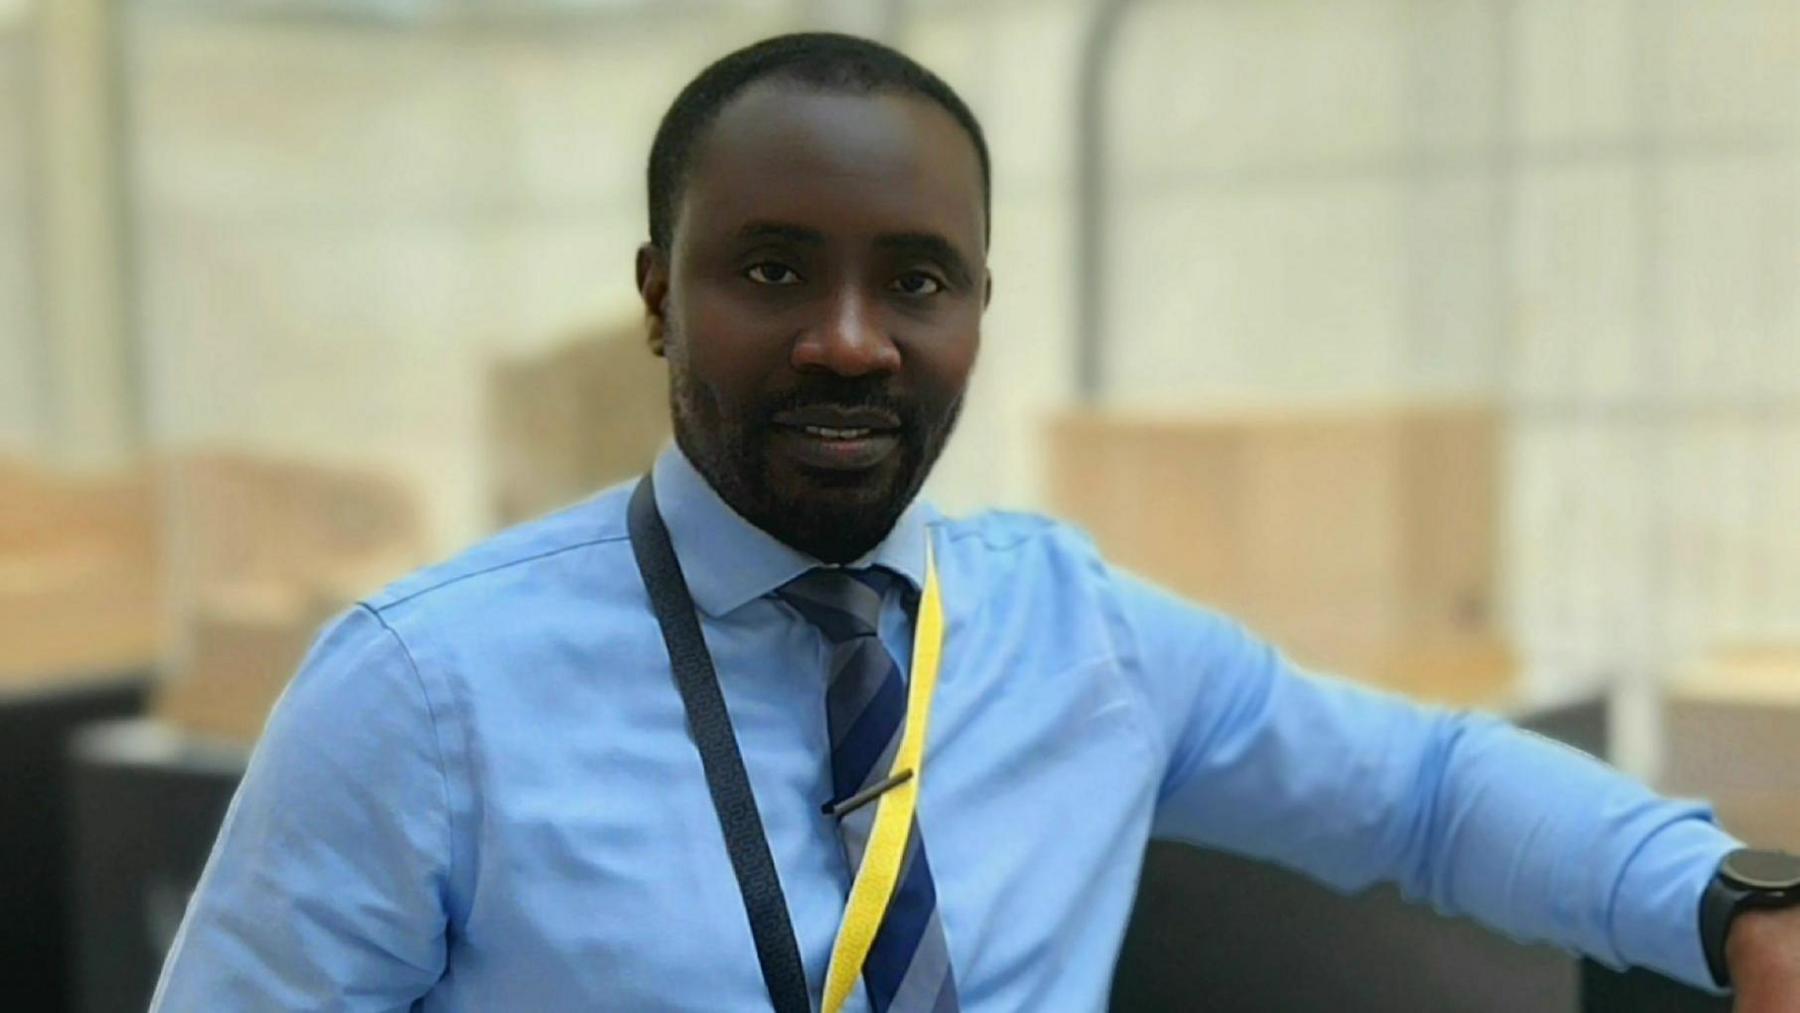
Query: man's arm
[(1466, 812), (325, 888)]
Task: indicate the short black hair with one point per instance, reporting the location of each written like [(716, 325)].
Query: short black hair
[(824, 60)]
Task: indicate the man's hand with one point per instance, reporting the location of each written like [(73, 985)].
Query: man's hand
[(1763, 952)]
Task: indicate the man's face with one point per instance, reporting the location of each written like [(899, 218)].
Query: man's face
[(821, 307)]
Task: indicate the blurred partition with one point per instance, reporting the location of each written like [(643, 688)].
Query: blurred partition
[(263, 551), (1362, 539), (573, 419), (81, 583)]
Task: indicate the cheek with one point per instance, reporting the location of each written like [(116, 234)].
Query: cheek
[(945, 363), (725, 350)]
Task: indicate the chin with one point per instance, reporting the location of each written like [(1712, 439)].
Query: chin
[(796, 486), (835, 517)]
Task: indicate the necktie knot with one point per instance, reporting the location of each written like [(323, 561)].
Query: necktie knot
[(843, 604)]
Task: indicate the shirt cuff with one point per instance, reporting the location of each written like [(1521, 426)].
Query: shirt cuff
[(1656, 917)]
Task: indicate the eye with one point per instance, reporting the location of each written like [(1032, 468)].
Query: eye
[(917, 283), (770, 272)]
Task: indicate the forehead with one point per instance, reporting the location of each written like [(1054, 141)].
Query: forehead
[(843, 164)]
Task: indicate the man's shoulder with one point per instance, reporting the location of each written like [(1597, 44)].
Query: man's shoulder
[(528, 554), (999, 535)]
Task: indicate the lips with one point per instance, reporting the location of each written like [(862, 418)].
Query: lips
[(830, 433), (839, 417), (836, 437)]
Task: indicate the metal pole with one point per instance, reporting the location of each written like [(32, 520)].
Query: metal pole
[(1092, 198), (94, 401)]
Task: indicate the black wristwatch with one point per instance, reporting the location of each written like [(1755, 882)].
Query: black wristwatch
[(1747, 880)]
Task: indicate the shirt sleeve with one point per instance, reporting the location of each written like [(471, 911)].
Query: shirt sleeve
[(1463, 811), (325, 887)]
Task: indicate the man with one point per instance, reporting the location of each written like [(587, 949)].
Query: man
[(490, 787)]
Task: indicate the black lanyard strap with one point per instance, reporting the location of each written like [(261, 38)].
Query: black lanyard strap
[(710, 726)]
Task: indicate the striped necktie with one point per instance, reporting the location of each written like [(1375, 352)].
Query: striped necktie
[(908, 967)]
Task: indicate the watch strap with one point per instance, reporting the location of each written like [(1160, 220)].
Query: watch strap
[(1718, 906)]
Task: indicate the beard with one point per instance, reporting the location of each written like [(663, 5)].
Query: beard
[(835, 517)]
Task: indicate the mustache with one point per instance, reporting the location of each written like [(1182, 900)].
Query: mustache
[(839, 392)]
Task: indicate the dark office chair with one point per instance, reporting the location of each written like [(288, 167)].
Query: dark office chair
[(35, 724), (1607, 991)]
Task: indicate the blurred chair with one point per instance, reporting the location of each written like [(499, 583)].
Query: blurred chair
[(1606, 991), (145, 804), (35, 861)]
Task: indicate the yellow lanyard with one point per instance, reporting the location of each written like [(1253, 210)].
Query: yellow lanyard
[(880, 870)]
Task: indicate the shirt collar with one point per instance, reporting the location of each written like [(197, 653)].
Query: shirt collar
[(729, 562)]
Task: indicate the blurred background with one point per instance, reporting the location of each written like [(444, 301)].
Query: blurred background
[(1455, 344)]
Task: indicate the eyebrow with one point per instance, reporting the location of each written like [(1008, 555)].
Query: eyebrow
[(779, 230)]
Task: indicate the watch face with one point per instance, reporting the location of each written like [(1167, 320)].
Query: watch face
[(1763, 870)]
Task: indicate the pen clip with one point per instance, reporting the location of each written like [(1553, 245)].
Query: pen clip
[(846, 806)]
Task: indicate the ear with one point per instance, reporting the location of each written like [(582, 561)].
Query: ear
[(653, 288)]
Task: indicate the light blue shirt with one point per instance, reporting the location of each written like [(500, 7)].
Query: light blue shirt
[(479, 793)]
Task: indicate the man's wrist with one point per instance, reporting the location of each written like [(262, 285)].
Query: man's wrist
[(1764, 947)]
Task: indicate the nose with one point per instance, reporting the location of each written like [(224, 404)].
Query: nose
[(847, 339)]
